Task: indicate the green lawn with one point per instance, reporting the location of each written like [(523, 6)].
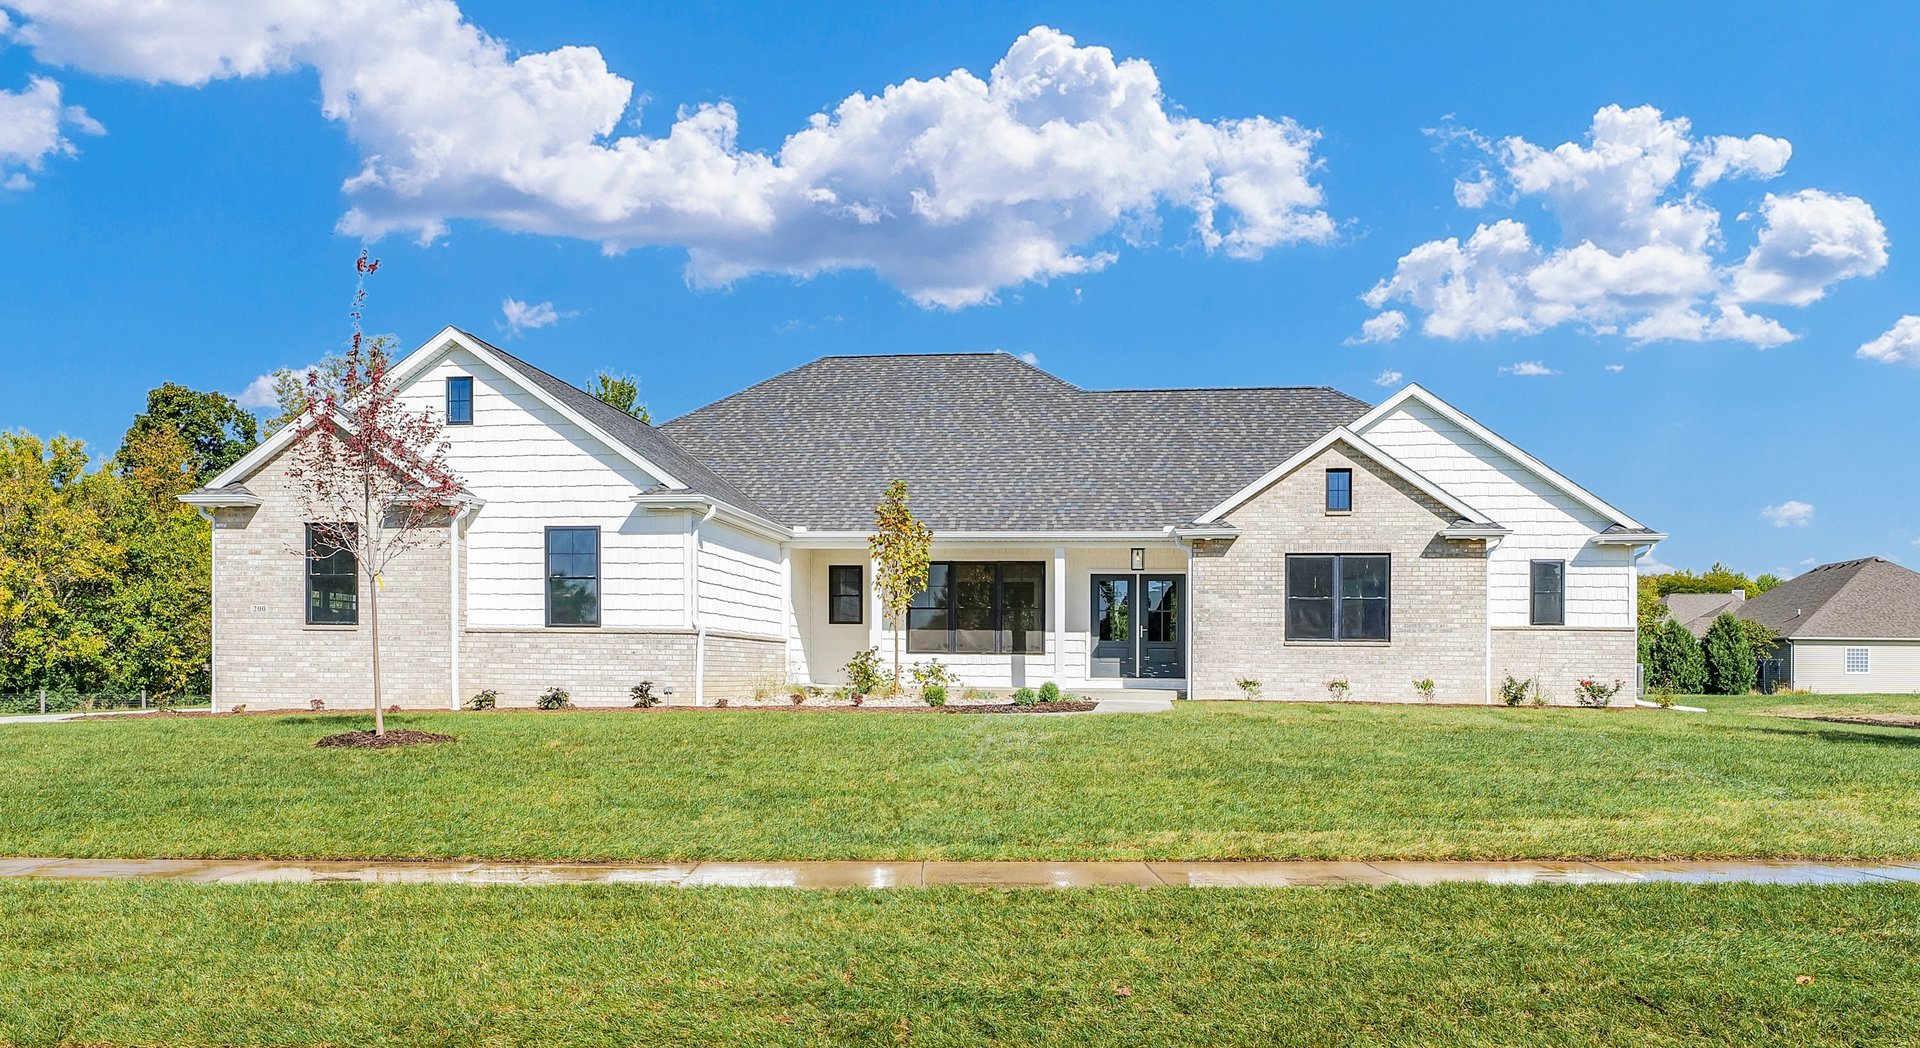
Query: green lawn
[(348, 965), (1205, 781)]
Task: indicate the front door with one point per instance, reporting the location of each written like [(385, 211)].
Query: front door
[(1137, 626)]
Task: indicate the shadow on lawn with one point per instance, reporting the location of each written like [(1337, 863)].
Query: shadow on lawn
[(1870, 734)]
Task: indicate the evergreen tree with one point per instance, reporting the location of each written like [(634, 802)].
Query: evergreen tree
[(1676, 662), (1729, 657)]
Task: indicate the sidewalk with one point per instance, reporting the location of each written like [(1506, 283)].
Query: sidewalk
[(971, 874)]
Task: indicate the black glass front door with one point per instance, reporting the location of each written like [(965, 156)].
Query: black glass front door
[(1137, 626)]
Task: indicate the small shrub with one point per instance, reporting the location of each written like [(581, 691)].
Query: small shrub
[(719, 704), (863, 671), (978, 695), (643, 696), (1050, 692), (1424, 687), (485, 700), (766, 689), (1663, 698), (797, 698), (1026, 697), (1337, 687), (1514, 692), (931, 672), (857, 699), (1595, 694), (317, 705), (1248, 687), (554, 699), (934, 694)]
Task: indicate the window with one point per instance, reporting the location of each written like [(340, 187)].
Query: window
[(1339, 491), (1859, 660), (460, 401), (980, 608), (1549, 602), (573, 576), (1337, 597), (333, 583), (844, 596)]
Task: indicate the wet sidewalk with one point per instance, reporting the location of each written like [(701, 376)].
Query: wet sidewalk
[(970, 874)]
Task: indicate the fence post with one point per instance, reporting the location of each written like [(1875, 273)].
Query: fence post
[(143, 698), (43, 701)]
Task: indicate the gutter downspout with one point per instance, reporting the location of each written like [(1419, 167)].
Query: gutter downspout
[(1486, 578), (453, 605), (699, 620), (213, 606)]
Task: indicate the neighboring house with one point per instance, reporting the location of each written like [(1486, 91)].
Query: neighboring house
[(1696, 611), (1177, 539), (1851, 627)]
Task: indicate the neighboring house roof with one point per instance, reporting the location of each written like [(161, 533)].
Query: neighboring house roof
[(645, 440), (1868, 599), (1696, 611), (988, 442)]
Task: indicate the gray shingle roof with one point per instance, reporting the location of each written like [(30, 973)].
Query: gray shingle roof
[(987, 442), (1696, 611), (646, 441), (1849, 600)]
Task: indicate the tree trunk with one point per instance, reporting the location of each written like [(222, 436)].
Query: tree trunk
[(899, 621), (373, 619)]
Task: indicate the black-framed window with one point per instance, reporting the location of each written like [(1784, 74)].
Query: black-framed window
[(980, 607), (1339, 491), (845, 594), (333, 583), (460, 401), (1549, 588), (1342, 596), (573, 576)]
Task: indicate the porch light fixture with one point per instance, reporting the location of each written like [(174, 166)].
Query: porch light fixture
[(1139, 559)]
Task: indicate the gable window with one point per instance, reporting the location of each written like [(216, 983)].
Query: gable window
[(460, 401), (1338, 596), (975, 607), (1549, 588), (573, 576), (333, 583), (1859, 660), (844, 594), (1339, 491)]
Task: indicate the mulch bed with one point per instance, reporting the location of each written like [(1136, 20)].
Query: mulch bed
[(367, 740), (1008, 707)]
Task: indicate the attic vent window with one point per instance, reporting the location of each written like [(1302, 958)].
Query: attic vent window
[(1859, 660)]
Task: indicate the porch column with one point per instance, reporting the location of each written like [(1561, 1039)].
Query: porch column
[(1058, 624)]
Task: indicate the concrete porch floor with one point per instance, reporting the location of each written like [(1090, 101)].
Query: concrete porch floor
[(824, 874)]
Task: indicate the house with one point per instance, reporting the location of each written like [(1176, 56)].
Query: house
[(1696, 611), (1176, 539), (1852, 627)]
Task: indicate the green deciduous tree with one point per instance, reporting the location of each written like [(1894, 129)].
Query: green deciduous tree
[(1729, 657), (902, 549), (216, 430), (621, 392), (1675, 662)]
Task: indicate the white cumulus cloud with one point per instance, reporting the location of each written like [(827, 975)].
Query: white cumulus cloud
[(950, 188), (34, 125), (1388, 378), (1789, 514), (1616, 368), (1381, 327), (259, 393), (1528, 369), (1900, 345), (517, 316), (1637, 251)]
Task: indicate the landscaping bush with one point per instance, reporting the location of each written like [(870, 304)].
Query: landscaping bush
[(485, 700), (643, 696), (1249, 687), (1424, 688), (1676, 662), (1514, 692), (1729, 657), (934, 694), (978, 695), (1595, 694), (1049, 692), (1026, 697), (932, 672), (554, 699), (1337, 688), (863, 671)]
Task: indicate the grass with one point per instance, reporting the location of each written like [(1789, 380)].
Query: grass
[(1205, 781), (436, 964)]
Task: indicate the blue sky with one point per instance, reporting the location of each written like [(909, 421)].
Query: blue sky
[(189, 225)]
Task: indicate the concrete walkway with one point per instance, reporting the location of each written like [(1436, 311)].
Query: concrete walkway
[(972, 874)]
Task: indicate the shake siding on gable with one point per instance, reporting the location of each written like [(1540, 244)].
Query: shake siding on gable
[(535, 468), (739, 582), (1546, 523)]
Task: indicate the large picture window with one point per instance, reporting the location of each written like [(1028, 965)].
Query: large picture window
[(333, 583), (1549, 587), (978, 607), (1338, 596), (573, 576), (845, 594)]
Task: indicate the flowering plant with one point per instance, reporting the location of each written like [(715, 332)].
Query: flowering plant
[(1594, 693)]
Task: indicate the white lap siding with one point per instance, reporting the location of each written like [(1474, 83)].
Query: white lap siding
[(1893, 667), (739, 582), (536, 469)]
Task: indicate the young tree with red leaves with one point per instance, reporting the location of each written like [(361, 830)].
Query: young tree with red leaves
[(371, 474)]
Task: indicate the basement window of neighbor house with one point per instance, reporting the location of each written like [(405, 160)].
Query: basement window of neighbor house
[(1548, 605), (1339, 597), (844, 597), (573, 576), (333, 583), (973, 607)]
